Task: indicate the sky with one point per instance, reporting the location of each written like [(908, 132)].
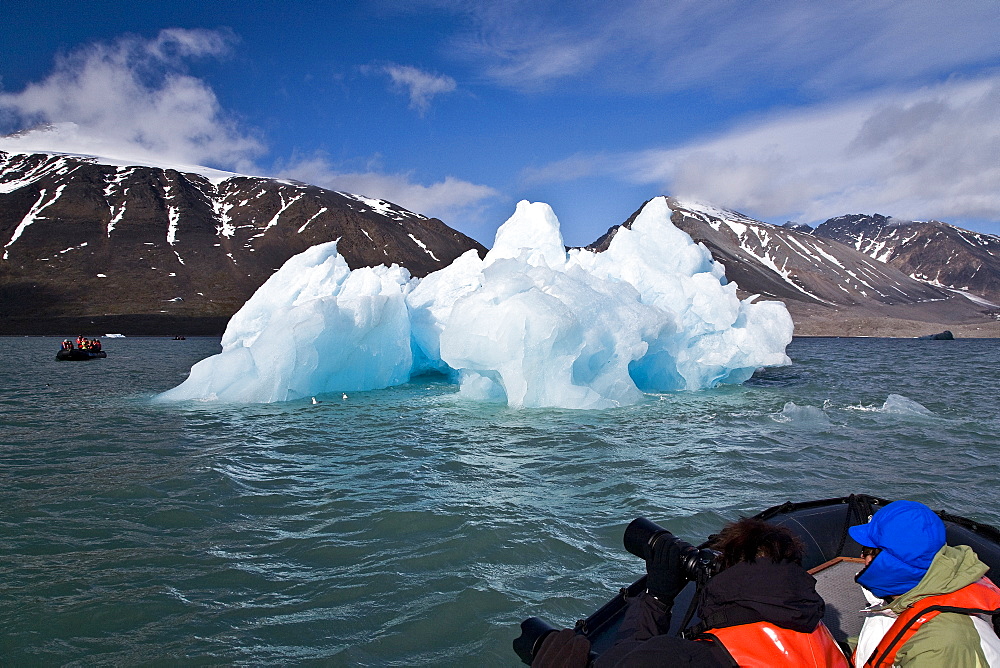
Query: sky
[(781, 109)]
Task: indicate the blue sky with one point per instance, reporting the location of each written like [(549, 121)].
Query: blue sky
[(784, 110)]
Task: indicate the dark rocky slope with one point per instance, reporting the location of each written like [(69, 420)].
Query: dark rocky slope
[(830, 288), (934, 252), (168, 250)]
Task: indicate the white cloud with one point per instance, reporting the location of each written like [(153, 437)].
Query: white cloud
[(577, 166), (933, 152), (132, 99), (452, 200), (527, 44), (643, 45), (421, 86)]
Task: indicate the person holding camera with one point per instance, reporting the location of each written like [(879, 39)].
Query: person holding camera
[(930, 601), (761, 609)]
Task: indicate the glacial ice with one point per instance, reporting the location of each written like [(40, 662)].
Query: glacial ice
[(803, 416), (897, 403), (314, 327), (529, 325)]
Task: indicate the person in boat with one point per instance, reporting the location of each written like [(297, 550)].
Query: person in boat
[(96, 345), (67, 344), (910, 572), (761, 609)]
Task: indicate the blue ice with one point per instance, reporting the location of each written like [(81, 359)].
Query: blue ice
[(528, 325)]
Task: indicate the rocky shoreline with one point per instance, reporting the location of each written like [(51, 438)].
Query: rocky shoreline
[(129, 325), (902, 322), (808, 323)]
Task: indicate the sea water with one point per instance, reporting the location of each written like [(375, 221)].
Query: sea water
[(408, 526)]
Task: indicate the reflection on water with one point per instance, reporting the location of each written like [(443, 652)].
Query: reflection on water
[(406, 526)]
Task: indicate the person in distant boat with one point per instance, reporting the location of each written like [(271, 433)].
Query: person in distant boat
[(97, 345), (762, 609), (910, 574), (79, 341), (67, 344)]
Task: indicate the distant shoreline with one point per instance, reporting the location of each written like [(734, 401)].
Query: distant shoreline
[(891, 328), (170, 325), (129, 325)]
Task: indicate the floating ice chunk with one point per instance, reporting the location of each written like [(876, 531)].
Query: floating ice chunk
[(529, 324), (540, 330), (894, 404), (897, 403), (805, 416), (718, 338), (315, 326), (534, 336)]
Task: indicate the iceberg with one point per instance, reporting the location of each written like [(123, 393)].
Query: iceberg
[(530, 324), (313, 327)]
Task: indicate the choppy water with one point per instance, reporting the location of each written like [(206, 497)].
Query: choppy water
[(406, 527)]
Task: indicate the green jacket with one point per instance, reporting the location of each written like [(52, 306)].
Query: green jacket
[(949, 639)]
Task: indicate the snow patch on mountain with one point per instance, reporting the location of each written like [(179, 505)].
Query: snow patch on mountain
[(387, 209)]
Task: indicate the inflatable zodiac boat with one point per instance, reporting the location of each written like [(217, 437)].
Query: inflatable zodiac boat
[(77, 355), (831, 555)]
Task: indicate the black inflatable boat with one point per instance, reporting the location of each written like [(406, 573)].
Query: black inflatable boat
[(77, 355), (831, 556)]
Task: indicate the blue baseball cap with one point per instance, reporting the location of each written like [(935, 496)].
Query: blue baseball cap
[(910, 534)]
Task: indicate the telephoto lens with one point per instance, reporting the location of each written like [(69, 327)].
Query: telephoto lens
[(533, 632), (640, 536)]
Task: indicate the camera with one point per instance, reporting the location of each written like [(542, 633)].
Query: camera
[(533, 631), (698, 564)]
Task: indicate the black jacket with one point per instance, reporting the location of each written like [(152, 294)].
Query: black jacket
[(783, 594)]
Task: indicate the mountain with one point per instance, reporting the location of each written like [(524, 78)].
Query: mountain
[(101, 240), (830, 288), (934, 252), (95, 244)]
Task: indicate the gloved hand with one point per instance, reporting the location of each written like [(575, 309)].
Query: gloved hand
[(664, 578), (563, 649)]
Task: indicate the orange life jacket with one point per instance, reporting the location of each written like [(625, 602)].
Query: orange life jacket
[(982, 597), (764, 645)]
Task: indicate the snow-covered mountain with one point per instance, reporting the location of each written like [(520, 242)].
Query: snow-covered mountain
[(933, 252), (98, 238), (819, 277), (88, 236)]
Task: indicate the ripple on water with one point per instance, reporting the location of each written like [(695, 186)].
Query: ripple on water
[(409, 526)]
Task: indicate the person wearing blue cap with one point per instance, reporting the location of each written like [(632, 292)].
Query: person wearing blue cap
[(909, 576)]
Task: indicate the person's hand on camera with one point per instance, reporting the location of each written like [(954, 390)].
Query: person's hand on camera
[(664, 578), (563, 649)]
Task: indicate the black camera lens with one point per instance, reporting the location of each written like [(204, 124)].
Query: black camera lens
[(642, 535), (533, 632)]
